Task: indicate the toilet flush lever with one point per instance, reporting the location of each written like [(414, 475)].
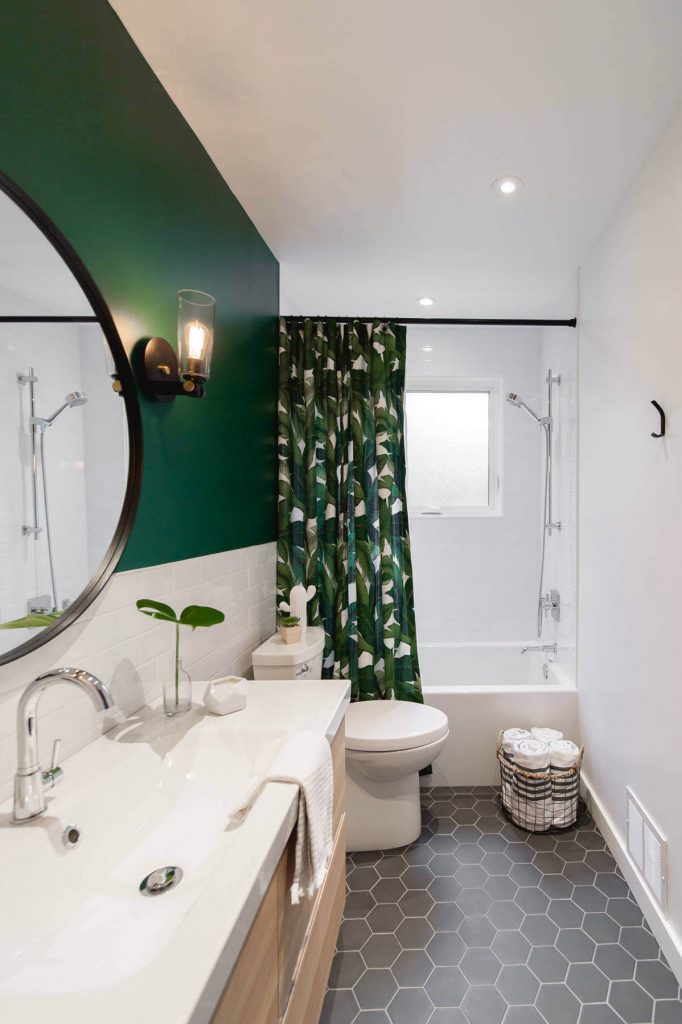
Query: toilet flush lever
[(305, 667)]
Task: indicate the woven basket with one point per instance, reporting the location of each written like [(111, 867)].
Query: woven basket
[(539, 801)]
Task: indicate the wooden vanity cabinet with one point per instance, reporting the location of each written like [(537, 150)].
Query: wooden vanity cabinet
[(281, 973)]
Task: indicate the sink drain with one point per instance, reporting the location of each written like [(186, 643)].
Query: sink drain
[(160, 881)]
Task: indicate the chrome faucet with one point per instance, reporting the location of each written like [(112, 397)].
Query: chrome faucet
[(541, 648), (31, 781)]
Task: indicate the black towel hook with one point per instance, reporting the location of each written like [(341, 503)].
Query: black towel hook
[(662, 415)]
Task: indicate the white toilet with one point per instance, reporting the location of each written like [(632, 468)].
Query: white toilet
[(276, 660), (388, 742)]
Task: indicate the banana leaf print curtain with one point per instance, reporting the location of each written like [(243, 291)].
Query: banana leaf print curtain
[(343, 523)]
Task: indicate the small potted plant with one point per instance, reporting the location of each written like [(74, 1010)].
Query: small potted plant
[(290, 628), (177, 687)]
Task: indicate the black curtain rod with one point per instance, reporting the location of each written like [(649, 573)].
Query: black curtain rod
[(445, 321), (49, 319)]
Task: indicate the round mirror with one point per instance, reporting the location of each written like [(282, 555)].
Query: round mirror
[(70, 434)]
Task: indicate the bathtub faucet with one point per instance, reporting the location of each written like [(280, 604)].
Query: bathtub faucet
[(541, 649)]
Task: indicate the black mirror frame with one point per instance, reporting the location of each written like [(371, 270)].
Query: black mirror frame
[(103, 316)]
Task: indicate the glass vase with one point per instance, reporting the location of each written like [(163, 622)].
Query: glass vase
[(177, 685)]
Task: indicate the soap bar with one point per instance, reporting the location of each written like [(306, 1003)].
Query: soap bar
[(223, 696)]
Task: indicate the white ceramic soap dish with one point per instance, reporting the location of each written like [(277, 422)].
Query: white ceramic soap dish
[(223, 696)]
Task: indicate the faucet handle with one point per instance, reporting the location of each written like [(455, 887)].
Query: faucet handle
[(55, 773)]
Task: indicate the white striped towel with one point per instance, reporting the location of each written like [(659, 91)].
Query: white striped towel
[(512, 736), (563, 754), (305, 760), (532, 755), (546, 735)]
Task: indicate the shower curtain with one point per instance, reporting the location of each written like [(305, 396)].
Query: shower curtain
[(342, 513)]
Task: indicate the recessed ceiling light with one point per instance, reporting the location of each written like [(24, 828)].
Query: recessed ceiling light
[(508, 185), (427, 348), (425, 301)]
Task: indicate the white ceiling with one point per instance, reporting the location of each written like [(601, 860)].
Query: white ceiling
[(362, 136)]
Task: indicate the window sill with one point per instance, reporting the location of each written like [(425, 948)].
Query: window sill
[(494, 513)]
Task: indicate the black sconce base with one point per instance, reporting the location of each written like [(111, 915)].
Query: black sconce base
[(161, 374)]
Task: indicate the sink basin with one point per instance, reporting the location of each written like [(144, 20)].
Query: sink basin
[(79, 941), (169, 804)]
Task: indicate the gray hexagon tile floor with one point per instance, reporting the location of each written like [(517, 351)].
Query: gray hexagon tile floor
[(480, 923)]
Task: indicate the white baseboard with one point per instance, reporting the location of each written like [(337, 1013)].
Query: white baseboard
[(666, 937)]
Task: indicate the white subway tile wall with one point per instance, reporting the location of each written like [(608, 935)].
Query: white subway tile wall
[(53, 352), (476, 578), (559, 353), (131, 653), (85, 456)]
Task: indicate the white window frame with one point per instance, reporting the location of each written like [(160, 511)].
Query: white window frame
[(492, 386)]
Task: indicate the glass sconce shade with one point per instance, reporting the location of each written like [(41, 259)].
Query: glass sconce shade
[(111, 369), (109, 364), (196, 323)]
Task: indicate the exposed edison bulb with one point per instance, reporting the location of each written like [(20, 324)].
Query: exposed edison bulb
[(197, 335)]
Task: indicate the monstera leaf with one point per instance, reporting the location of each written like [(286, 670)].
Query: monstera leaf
[(193, 615)]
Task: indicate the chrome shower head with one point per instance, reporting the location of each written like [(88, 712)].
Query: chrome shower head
[(73, 399), (76, 398), (514, 399)]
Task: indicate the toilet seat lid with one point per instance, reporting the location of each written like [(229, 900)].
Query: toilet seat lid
[(393, 725)]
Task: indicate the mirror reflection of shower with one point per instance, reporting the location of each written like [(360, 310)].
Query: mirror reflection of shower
[(38, 427), (547, 603)]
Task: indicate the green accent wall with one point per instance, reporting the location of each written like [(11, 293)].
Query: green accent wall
[(87, 130)]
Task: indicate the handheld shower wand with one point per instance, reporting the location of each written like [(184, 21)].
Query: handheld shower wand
[(514, 399), (39, 425), (548, 524), (71, 401)]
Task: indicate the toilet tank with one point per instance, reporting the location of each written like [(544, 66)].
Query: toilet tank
[(276, 660)]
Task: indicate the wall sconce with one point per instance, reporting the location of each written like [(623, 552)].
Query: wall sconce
[(167, 374)]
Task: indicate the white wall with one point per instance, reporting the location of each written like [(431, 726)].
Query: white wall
[(630, 489), (476, 578), (131, 652), (559, 354)]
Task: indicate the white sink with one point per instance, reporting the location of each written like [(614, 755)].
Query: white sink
[(78, 940)]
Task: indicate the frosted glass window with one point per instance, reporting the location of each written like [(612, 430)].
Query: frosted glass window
[(448, 450)]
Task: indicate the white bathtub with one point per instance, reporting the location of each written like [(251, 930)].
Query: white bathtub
[(483, 688)]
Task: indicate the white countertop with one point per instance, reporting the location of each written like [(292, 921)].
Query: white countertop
[(78, 942)]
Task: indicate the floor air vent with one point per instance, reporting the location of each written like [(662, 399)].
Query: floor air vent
[(647, 847)]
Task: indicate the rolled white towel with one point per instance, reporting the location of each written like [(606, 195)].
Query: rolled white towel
[(563, 754), (512, 736), (546, 735), (532, 754)]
